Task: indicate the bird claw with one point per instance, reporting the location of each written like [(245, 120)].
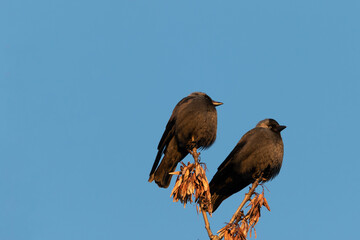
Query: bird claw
[(195, 154), (191, 145), (259, 176)]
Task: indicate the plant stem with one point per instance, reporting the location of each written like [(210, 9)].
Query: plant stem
[(207, 226), (247, 198)]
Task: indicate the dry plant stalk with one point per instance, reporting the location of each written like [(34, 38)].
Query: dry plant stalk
[(253, 214), (241, 224), (234, 231), (192, 181), (192, 178)]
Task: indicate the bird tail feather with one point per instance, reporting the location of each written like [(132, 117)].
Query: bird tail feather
[(152, 172), (219, 193), (161, 175), (216, 200)]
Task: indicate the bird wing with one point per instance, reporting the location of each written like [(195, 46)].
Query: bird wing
[(242, 144), (167, 135), (164, 141), (226, 180), (169, 132), (237, 148)]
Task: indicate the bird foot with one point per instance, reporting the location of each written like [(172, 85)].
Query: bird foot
[(195, 154)]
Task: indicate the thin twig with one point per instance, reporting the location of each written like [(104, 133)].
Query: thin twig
[(195, 155), (235, 218), (247, 198), (207, 226)]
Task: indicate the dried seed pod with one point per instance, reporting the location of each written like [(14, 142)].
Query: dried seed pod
[(192, 181)]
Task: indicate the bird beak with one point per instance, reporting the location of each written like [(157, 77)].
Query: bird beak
[(215, 103), (280, 128)]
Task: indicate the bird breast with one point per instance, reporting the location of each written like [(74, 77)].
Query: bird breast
[(197, 126), (265, 157)]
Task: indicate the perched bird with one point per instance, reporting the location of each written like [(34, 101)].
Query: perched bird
[(193, 123), (259, 151)]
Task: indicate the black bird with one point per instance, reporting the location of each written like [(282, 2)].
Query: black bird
[(193, 123), (259, 151)]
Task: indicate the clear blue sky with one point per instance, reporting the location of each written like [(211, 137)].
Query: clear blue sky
[(87, 87)]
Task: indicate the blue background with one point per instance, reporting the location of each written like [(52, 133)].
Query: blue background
[(87, 87)]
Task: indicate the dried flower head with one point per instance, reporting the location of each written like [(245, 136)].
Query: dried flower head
[(245, 223), (192, 181), (253, 215), (235, 231)]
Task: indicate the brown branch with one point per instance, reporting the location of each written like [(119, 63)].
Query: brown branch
[(195, 155), (192, 181), (207, 226), (247, 198)]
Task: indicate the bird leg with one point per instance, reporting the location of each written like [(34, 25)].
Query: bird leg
[(192, 147), (259, 175), (195, 154)]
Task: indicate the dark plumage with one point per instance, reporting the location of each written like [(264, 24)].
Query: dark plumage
[(193, 123), (260, 150)]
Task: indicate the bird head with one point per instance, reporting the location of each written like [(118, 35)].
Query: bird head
[(204, 95), (271, 124)]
